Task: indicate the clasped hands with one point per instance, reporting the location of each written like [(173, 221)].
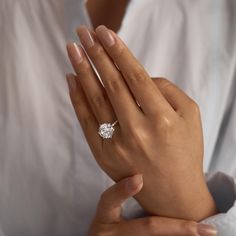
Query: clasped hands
[(159, 135)]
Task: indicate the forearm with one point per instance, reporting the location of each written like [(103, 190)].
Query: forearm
[(107, 12)]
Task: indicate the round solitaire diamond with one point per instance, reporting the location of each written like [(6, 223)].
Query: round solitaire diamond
[(106, 130)]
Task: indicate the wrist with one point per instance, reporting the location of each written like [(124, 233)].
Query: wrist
[(187, 199), (194, 202)]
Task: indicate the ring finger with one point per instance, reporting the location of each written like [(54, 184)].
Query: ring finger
[(95, 93)]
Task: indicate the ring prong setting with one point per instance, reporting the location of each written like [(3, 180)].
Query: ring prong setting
[(106, 130)]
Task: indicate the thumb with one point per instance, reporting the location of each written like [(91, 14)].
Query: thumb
[(109, 207)]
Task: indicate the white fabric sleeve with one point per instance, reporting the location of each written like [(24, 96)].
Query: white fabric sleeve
[(223, 190)]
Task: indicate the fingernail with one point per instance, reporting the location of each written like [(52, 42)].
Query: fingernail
[(78, 56), (75, 53), (86, 37), (71, 82), (134, 183), (105, 36), (206, 230)]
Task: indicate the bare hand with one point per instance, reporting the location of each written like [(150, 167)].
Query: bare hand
[(108, 220)]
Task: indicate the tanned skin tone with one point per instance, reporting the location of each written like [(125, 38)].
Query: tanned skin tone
[(157, 140), (109, 220), (115, 11)]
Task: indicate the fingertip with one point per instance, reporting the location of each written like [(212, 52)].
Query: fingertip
[(134, 184), (105, 36), (81, 28), (70, 46), (206, 230), (101, 27), (75, 53)]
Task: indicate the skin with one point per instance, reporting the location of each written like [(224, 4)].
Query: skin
[(161, 138), (109, 220), (107, 12)]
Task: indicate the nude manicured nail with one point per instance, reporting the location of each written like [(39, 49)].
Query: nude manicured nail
[(105, 36), (133, 183), (206, 230), (86, 37), (71, 82), (75, 53)]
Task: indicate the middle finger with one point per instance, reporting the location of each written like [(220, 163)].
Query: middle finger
[(121, 99)]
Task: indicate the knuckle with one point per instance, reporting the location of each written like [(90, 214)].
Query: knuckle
[(118, 52), (193, 106), (106, 200), (151, 224), (162, 82), (98, 101), (97, 51), (86, 122), (113, 85), (165, 86), (103, 198), (84, 69), (165, 122), (166, 127), (189, 228), (136, 75)]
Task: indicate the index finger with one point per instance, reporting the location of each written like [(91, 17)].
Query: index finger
[(161, 226), (109, 207), (146, 93)]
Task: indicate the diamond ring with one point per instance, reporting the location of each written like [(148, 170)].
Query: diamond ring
[(106, 130)]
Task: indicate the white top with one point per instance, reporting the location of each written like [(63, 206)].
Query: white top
[(49, 182)]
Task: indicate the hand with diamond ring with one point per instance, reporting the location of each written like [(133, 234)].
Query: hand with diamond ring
[(158, 133)]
